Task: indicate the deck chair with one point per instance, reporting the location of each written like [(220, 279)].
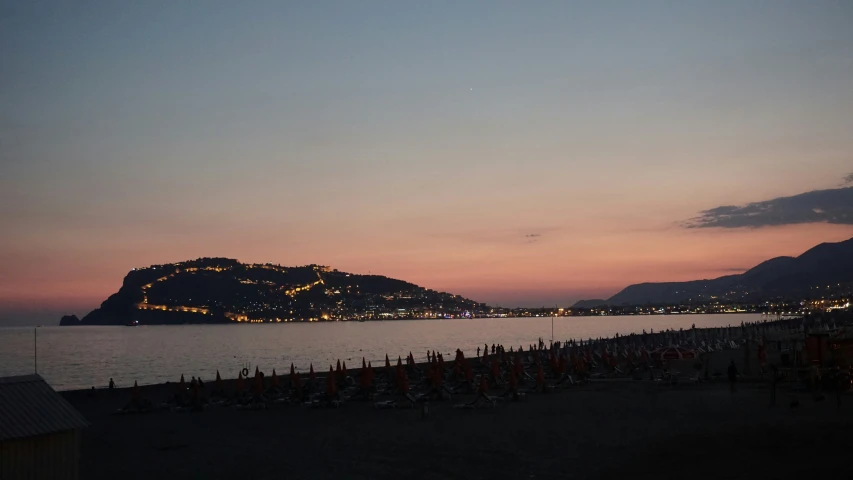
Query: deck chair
[(482, 400)]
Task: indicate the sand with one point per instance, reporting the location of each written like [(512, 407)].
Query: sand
[(606, 429)]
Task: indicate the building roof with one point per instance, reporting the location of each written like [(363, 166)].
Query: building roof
[(30, 407)]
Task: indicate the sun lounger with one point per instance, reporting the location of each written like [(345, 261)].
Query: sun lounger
[(481, 401), (406, 400)]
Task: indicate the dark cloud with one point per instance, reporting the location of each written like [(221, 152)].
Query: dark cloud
[(848, 179), (818, 206)]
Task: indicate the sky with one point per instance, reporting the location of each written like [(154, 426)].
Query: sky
[(516, 153)]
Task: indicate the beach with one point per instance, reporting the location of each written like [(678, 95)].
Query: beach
[(662, 419), (603, 429)]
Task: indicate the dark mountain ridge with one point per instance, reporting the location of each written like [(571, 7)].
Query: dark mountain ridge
[(824, 265)]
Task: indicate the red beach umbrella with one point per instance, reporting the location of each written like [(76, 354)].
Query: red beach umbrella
[(484, 386), (540, 377), (274, 379), (344, 371), (296, 381), (338, 367), (134, 393), (370, 372), (257, 372), (363, 379), (496, 369), (363, 363), (387, 367), (259, 387), (218, 382), (182, 385), (241, 386), (513, 381), (331, 385), (311, 375)]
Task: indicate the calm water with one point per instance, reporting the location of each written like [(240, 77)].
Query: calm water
[(80, 357)]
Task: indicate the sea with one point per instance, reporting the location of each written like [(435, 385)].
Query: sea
[(71, 358)]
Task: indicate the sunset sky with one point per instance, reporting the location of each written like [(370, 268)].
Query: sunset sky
[(518, 153)]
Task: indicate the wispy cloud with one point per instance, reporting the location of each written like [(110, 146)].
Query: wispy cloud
[(818, 206), (848, 179)]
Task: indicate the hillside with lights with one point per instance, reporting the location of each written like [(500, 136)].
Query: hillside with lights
[(222, 290)]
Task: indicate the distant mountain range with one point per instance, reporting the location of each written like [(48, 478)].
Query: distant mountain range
[(223, 290), (826, 265)]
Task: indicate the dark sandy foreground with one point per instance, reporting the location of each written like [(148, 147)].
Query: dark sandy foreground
[(616, 429)]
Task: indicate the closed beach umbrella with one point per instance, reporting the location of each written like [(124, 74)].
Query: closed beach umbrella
[(259, 387), (387, 367), (331, 385), (182, 385), (311, 375), (296, 381), (241, 386), (274, 379), (484, 386), (369, 373), (338, 367), (218, 382), (540, 377), (257, 372), (134, 393), (362, 378), (344, 371)]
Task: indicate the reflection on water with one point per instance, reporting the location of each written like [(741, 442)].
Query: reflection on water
[(80, 357)]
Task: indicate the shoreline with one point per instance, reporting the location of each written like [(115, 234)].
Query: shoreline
[(792, 316)]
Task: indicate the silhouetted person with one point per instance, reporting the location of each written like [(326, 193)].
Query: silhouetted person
[(478, 352), (732, 371), (815, 380), (837, 379), (493, 349), (200, 383), (112, 384)]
